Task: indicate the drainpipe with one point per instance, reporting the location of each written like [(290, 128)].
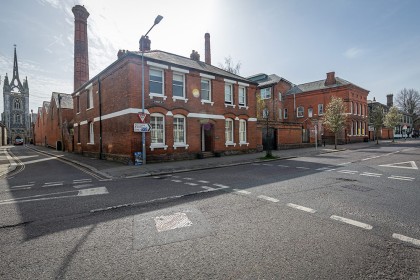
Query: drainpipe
[(100, 118)]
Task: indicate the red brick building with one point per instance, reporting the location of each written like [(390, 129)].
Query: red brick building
[(52, 127), (296, 110)]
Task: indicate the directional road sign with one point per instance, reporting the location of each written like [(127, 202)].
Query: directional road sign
[(142, 127)]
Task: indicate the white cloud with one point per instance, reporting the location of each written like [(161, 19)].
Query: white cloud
[(354, 52)]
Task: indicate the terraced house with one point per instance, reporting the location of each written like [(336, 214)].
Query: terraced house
[(193, 107)]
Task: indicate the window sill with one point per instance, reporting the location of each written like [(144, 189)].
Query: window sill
[(158, 146), (89, 108), (243, 107), (203, 101), (90, 143), (230, 144), (175, 98), (181, 146), (230, 105), (243, 144), (153, 95)]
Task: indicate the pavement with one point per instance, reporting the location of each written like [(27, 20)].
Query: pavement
[(114, 170)]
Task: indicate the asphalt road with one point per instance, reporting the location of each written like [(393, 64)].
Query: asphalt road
[(346, 215)]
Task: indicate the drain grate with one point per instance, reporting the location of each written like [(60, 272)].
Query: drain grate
[(357, 188)]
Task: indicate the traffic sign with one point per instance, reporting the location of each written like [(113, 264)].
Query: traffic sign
[(142, 127), (142, 116)]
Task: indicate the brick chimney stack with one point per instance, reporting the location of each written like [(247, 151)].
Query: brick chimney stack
[(390, 100), (195, 55), (330, 79), (81, 60), (207, 48)]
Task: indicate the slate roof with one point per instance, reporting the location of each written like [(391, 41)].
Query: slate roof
[(317, 85), (66, 100), (265, 80), (184, 62)]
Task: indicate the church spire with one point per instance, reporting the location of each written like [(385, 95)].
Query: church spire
[(15, 83)]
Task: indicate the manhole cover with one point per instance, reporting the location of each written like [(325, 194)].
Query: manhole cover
[(357, 188), (174, 221)]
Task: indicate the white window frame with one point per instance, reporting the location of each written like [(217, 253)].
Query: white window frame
[(205, 100), (320, 109), (242, 133), (183, 85), (91, 133), (90, 98), (310, 112), (280, 97), (179, 144), (300, 112), (280, 114), (285, 113), (155, 130), (228, 96), (351, 107), (163, 82), (265, 93), (242, 96), (229, 128)]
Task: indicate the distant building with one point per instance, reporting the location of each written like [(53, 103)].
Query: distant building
[(16, 106)]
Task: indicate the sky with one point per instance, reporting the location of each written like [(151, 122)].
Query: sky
[(374, 44)]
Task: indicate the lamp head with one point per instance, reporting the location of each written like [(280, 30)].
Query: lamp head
[(158, 19)]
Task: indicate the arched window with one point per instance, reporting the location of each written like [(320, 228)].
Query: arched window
[(18, 119), (17, 104)]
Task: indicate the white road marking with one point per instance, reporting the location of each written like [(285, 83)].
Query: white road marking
[(351, 222), (221, 186), (22, 186), (80, 181), (93, 191), (344, 163), (406, 239), (83, 186), (242, 191), (176, 181), (301, 167), (268, 198), (406, 164), (402, 178), (306, 209), (279, 165), (204, 182), (328, 170), (191, 184), (210, 189), (188, 178), (322, 168), (267, 164), (370, 158), (371, 174), (348, 171), (51, 185)]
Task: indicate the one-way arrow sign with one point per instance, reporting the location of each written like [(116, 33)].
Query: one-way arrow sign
[(142, 127)]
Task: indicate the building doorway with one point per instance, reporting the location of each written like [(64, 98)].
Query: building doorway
[(207, 137)]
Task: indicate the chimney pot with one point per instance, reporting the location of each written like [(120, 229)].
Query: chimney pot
[(195, 56)]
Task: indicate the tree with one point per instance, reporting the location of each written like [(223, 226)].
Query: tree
[(334, 117), (408, 100), (230, 66), (376, 118), (392, 119)]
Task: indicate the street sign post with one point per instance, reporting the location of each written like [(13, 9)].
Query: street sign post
[(142, 127)]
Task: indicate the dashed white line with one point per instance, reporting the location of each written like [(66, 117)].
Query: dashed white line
[(242, 191), (322, 168), (351, 222), (280, 165), (406, 239), (210, 189), (348, 171), (303, 208), (176, 181), (188, 178), (191, 184), (370, 158), (394, 177), (22, 186), (371, 174), (221, 186), (81, 181), (301, 167), (204, 182), (268, 198), (52, 184), (344, 163)]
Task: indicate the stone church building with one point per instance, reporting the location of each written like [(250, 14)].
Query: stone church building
[(16, 106)]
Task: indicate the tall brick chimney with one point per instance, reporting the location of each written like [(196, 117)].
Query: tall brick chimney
[(390, 100), (207, 48), (81, 60), (330, 79)]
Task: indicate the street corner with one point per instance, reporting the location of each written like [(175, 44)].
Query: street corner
[(167, 226)]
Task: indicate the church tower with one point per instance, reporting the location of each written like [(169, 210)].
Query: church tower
[(16, 106)]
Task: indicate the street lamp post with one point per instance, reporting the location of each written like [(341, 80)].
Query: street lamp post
[(142, 41), (266, 114)]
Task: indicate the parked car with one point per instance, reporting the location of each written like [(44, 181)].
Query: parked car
[(18, 141)]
